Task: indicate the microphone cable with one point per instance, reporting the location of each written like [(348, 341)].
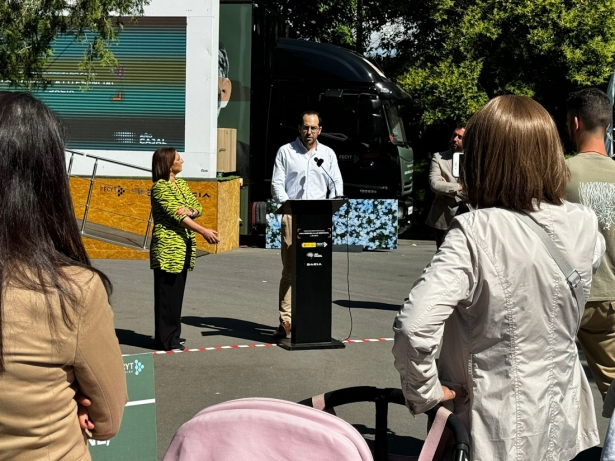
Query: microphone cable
[(348, 266), (319, 162)]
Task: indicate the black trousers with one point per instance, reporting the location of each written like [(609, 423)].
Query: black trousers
[(168, 300)]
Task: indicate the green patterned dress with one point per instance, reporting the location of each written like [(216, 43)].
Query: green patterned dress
[(169, 238)]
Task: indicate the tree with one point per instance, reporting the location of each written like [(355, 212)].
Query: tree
[(452, 56), (345, 23), (28, 28)]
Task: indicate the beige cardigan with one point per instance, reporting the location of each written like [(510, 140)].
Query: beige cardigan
[(508, 322), (38, 412), (445, 185)]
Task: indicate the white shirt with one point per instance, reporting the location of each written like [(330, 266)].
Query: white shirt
[(296, 176)]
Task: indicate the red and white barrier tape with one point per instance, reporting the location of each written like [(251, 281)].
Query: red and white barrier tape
[(252, 346)]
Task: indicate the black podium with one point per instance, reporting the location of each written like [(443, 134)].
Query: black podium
[(311, 289)]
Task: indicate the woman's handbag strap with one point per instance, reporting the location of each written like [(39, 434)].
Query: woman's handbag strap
[(572, 275)]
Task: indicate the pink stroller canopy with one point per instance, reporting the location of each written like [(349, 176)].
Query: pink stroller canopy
[(266, 429)]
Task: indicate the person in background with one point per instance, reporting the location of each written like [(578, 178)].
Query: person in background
[(225, 90), (592, 183), (448, 191), (508, 365), (225, 86), (296, 176), (58, 347), (173, 247)]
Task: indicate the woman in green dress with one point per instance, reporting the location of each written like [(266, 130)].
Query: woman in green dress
[(173, 248)]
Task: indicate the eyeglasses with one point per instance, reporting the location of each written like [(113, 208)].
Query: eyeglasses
[(310, 128)]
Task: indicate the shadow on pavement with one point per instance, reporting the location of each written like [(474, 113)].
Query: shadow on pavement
[(410, 446), (132, 338), (234, 328), (368, 305)]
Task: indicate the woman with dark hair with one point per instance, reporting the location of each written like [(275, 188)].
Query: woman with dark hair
[(508, 365), (173, 248), (56, 325)]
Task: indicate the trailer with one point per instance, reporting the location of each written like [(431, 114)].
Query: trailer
[(189, 68), (358, 104)]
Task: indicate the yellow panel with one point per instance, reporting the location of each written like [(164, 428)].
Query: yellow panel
[(227, 217), (103, 250), (121, 203), (125, 204)]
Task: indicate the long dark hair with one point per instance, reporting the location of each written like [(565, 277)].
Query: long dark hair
[(38, 232), (162, 161)]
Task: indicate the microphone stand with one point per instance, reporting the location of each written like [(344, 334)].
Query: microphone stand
[(319, 162)]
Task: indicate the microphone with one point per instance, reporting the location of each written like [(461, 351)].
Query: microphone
[(319, 162)]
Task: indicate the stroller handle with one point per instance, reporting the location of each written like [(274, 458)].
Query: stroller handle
[(382, 397)]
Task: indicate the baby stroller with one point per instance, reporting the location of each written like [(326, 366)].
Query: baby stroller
[(254, 429), (434, 444)]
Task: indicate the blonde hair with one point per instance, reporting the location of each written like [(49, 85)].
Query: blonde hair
[(513, 156)]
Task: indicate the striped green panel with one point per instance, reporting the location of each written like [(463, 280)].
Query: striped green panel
[(144, 98)]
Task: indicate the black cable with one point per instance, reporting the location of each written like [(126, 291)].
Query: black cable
[(348, 265), (319, 162)]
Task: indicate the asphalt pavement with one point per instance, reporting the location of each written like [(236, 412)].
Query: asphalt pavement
[(231, 300)]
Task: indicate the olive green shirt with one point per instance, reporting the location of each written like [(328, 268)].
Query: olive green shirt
[(592, 183)]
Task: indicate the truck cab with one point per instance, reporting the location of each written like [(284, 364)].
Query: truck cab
[(359, 107)]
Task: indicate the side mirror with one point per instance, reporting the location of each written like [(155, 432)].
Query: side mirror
[(375, 104), (369, 103)]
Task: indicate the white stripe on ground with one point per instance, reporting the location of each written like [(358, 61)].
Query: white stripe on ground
[(140, 402), (251, 346)]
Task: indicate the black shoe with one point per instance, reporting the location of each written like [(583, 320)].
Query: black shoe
[(182, 340), (160, 347), (283, 331)]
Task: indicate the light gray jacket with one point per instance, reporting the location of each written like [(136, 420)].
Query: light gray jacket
[(511, 322)]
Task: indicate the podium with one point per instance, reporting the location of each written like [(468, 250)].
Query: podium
[(312, 244)]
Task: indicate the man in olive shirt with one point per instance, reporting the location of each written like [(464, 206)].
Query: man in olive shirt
[(592, 183)]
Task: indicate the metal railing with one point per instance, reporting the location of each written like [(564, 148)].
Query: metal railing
[(91, 189)]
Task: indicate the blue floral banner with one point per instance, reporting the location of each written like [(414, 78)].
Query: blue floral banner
[(366, 222)]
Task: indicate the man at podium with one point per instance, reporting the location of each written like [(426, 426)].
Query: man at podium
[(304, 170)]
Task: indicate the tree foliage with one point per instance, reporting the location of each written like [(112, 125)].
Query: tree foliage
[(452, 56), (28, 28), (321, 20), (346, 23)]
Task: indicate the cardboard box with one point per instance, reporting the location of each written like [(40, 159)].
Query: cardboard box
[(227, 150)]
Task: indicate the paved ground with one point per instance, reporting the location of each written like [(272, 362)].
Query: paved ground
[(231, 300)]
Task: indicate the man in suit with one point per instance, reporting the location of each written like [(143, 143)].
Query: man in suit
[(446, 187)]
